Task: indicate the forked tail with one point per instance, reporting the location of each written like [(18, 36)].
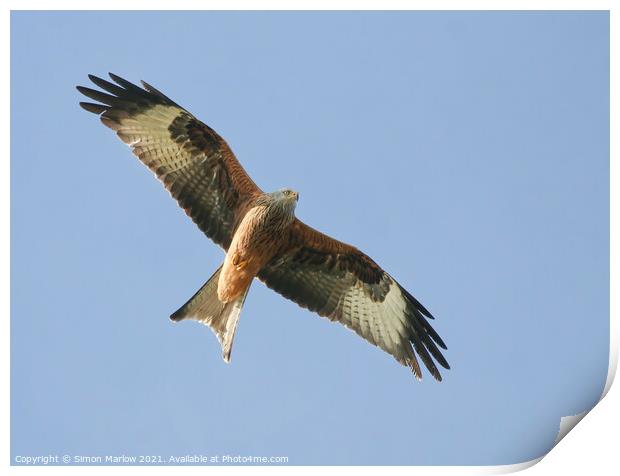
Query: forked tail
[(222, 318)]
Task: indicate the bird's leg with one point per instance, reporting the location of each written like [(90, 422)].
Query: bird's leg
[(238, 261)]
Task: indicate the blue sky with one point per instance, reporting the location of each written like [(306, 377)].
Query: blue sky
[(467, 153)]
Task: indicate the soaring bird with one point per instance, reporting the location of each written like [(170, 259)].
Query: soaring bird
[(260, 234)]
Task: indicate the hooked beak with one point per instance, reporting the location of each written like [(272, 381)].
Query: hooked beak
[(296, 195)]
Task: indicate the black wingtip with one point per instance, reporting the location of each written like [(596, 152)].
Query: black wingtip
[(417, 303), (126, 84), (94, 108), (438, 340), (97, 80), (158, 93), (120, 81), (178, 315), (423, 310)]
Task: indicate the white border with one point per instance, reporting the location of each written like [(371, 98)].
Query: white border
[(589, 448), (314, 5)]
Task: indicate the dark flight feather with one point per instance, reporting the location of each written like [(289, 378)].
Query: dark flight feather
[(193, 161)]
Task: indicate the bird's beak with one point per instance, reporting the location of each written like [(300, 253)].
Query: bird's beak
[(296, 196)]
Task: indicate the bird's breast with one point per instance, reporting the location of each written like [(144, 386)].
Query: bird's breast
[(253, 245)]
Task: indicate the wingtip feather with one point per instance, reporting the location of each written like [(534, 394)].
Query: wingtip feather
[(91, 107)]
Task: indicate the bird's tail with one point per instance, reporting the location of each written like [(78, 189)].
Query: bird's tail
[(222, 318)]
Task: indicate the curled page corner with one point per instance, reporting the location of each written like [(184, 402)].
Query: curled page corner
[(514, 468), (567, 423)]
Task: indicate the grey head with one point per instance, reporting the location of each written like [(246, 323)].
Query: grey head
[(285, 195), (281, 205)]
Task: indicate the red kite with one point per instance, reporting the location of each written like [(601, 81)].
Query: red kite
[(260, 233)]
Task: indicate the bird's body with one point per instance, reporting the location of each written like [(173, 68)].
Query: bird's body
[(255, 242), (260, 234)]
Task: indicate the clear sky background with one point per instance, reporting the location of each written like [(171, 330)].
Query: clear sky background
[(467, 153)]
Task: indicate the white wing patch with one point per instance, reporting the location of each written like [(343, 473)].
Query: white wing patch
[(381, 323)]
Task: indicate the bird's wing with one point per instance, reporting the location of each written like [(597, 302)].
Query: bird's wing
[(194, 163), (341, 283)]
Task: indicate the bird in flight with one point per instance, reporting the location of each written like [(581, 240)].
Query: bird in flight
[(260, 234)]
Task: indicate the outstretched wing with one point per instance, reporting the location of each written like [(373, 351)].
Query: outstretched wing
[(194, 163), (341, 283)]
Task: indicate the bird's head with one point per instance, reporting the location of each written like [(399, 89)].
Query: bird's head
[(286, 194), (283, 202)]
